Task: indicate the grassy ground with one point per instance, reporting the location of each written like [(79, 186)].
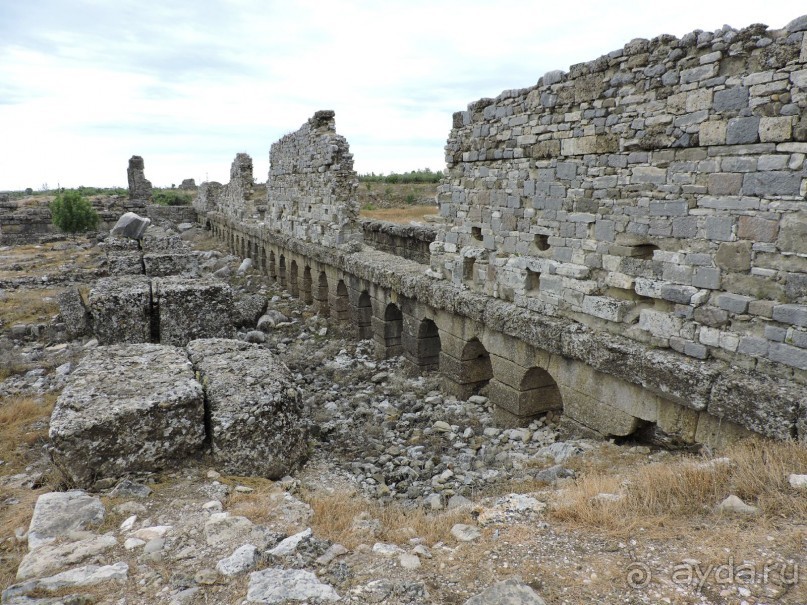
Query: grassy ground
[(401, 215)]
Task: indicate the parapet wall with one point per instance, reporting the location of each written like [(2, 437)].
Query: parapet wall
[(657, 192), (311, 190)]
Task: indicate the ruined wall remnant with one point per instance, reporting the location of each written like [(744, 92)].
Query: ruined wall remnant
[(656, 192), (139, 185), (311, 190)]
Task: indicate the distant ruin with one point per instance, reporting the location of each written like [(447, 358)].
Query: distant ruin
[(139, 185), (623, 242)]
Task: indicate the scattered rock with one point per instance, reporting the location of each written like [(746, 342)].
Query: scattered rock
[(508, 592), (131, 225), (733, 504), (57, 514), (465, 533), (277, 585), (241, 561)]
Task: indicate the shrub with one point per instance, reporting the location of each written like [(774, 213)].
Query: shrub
[(172, 197), (72, 213)]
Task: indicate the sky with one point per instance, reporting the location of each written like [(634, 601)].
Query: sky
[(187, 84)]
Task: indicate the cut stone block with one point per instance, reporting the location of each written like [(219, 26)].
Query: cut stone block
[(127, 408), (131, 225), (121, 309), (192, 309), (161, 264), (256, 415)]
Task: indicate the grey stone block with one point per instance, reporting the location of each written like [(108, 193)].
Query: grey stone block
[(753, 346), (793, 357), (734, 303), (731, 99), (742, 131), (719, 228), (791, 314), (669, 208), (256, 413), (191, 309), (764, 184), (127, 409), (678, 294), (775, 333), (697, 350), (121, 309), (706, 277)]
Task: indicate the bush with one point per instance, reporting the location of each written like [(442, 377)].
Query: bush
[(172, 197), (412, 177), (72, 213)]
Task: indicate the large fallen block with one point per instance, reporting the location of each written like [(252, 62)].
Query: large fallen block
[(160, 264), (256, 415), (192, 309), (125, 409), (121, 309)]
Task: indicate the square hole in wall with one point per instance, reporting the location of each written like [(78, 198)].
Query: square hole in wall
[(532, 283), (541, 242), (468, 268), (476, 233)]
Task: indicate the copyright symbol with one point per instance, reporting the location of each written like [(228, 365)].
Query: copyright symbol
[(638, 575)]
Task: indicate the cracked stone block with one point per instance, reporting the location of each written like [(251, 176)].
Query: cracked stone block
[(190, 309), (127, 408), (121, 309), (256, 413)]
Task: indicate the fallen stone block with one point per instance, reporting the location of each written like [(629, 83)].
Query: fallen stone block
[(256, 415), (131, 225), (192, 309), (121, 309), (127, 408)]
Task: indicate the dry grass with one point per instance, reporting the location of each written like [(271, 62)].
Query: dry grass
[(400, 215), (677, 492), (25, 305), (16, 418), (23, 423), (334, 516), (36, 260)]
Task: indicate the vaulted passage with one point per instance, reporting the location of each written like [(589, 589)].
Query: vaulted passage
[(425, 347), (340, 303), (364, 314), (281, 273), (321, 295), (293, 286), (272, 267), (520, 393), (305, 287), (387, 332)]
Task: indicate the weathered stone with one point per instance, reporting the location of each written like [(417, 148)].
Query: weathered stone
[(131, 225), (139, 186), (121, 309), (734, 256), (278, 585), (89, 575), (192, 309), (74, 313), (50, 558), (57, 514), (127, 408), (256, 422), (241, 561), (512, 591)]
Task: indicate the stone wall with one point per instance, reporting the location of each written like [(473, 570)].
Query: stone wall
[(406, 241), (312, 185), (657, 192)]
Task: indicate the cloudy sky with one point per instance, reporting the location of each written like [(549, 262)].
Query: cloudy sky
[(187, 84)]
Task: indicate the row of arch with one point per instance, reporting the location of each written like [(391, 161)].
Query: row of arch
[(427, 339)]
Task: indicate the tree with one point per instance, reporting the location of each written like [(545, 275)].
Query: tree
[(72, 213)]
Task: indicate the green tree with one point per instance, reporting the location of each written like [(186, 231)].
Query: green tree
[(72, 213)]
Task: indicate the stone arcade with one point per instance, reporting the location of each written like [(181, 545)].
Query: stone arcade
[(624, 242)]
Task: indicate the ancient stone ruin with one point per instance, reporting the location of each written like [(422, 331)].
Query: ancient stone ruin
[(139, 185), (622, 242)]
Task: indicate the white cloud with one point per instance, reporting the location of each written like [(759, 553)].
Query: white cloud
[(84, 85)]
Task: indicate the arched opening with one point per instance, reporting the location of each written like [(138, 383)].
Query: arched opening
[(305, 287), (538, 392), (392, 328), (208, 226), (281, 271), (340, 301), (321, 294), (272, 267), (364, 315), (293, 286), (475, 367), (428, 345)]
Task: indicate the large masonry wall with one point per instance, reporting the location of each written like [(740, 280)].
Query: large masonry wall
[(657, 192), (311, 190)]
